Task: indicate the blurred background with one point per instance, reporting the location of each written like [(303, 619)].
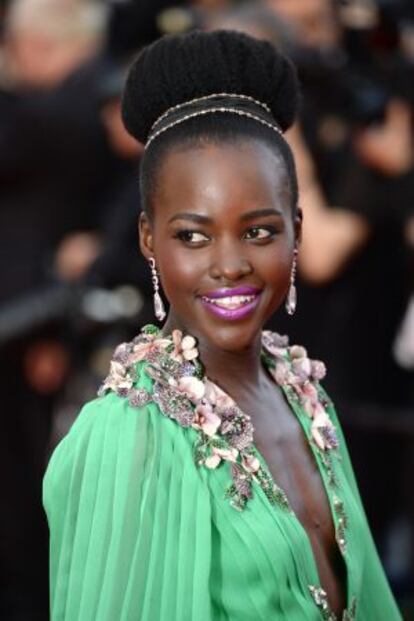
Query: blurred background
[(73, 284)]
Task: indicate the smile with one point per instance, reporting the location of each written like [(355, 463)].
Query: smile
[(232, 304)]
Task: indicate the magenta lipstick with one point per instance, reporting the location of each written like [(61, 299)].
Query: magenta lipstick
[(231, 304)]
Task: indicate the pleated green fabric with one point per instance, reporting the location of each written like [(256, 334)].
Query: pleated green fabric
[(140, 533)]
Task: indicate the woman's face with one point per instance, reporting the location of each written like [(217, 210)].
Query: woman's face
[(223, 238)]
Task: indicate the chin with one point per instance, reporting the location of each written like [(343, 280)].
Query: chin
[(235, 337)]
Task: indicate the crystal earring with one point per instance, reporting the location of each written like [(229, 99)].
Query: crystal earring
[(292, 297), (159, 309)]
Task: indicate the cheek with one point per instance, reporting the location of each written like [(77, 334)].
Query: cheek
[(180, 271), (274, 264)]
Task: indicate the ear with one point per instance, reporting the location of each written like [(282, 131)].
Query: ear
[(146, 242), (298, 223)]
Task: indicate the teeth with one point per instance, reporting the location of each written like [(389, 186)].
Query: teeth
[(231, 302)]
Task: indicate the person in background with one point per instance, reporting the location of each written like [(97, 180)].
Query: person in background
[(54, 163)]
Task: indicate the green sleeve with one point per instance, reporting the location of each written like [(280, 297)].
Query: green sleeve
[(375, 601), (129, 519)]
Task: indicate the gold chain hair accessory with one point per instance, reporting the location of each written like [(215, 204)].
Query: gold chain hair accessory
[(218, 102)]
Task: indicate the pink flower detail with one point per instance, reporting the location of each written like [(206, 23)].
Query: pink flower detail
[(307, 405), (297, 351), (213, 461), (228, 454), (118, 378), (222, 401), (219, 454), (318, 370), (322, 427), (192, 387), (206, 420), (210, 392), (184, 347), (282, 372), (251, 463), (188, 345), (142, 350), (320, 417), (309, 390), (275, 343), (317, 436), (302, 367)]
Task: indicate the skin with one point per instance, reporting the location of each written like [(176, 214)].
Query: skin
[(222, 217)]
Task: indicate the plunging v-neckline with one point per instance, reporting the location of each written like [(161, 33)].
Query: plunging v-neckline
[(299, 523), (294, 409), (185, 394)]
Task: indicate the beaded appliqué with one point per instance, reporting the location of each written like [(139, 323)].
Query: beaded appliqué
[(298, 376), (225, 433), (321, 600)]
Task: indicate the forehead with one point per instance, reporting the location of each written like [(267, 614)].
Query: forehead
[(215, 178)]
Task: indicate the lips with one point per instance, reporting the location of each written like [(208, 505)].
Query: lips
[(231, 304)]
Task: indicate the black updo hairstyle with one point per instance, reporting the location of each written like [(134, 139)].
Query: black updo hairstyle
[(179, 68)]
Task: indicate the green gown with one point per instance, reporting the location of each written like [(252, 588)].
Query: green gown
[(141, 532)]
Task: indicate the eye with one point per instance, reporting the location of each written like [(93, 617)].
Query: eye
[(192, 237), (260, 233)]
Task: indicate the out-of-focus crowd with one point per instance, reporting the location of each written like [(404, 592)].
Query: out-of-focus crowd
[(73, 284)]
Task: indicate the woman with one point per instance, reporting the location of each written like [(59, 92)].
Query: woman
[(210, 480)]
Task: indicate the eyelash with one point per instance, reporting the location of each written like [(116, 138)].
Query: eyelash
[(186, 233)]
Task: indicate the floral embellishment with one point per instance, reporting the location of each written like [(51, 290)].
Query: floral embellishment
[(321, 600), (225, 433), (341, 525), (192, 387), (184, 348), (293, 370), (206, 420), (119, 380)]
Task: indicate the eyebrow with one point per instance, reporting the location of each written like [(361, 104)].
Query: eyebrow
[(194, 217), (260, 213), (199, 219)]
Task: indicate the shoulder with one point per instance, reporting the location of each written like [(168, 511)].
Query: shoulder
[(300, 376), (294, 360), (123, 423)]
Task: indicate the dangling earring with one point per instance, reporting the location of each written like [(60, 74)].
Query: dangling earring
[(292, 297), (159, 309)]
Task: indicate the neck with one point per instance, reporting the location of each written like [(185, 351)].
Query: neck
[(231, 370)]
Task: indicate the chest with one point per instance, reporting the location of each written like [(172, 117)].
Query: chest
[(281, 440)]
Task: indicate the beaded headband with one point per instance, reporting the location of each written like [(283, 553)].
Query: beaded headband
[(233, 103)]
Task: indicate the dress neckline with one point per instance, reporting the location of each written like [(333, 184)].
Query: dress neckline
[(225, 433)]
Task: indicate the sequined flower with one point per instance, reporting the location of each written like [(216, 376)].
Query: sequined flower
[(118, 379), (322, 429), (218, 454), (318, 370), (275, 343), (225, 431), (282, 373), (193, 388), (143, 350), (302, 368), (222, 400), (206, 420), (251, 463), (184, 347), (297, 352), (189, 348)]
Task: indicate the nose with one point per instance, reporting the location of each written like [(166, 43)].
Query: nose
[(229, 262)]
